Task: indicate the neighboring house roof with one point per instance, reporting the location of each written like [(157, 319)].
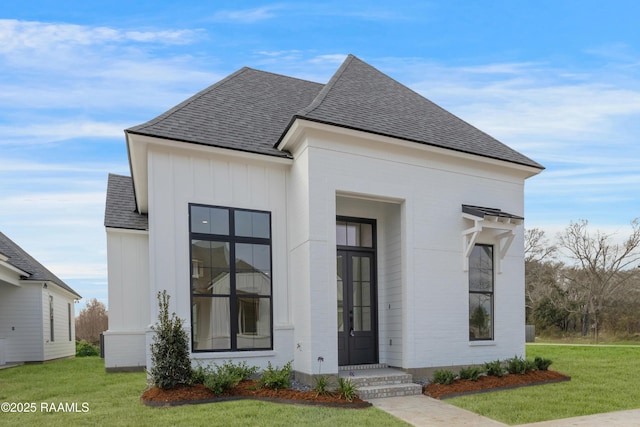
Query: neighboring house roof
[(20, 259), (251, 111), (120, 209)]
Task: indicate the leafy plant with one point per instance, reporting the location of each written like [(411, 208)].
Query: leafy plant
[(198, 374), (347, 389), (443, 376), (170, 363), (221, 380), (241, 369), (517, 365), (471, 373), (224, 377), (494, 368), (322, 386), (541, 363), (86, 349), (276, 378)]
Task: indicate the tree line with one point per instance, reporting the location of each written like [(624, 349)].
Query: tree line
[(596, 289)]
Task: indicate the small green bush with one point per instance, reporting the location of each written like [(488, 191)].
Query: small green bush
[(531, 365), (221, 381), (494, 368), (541, 363), (223, 377), (347, 389), (275, 378), (470, 373), (443, 376), (198, 374), (86, 349), (241, 369), (517, 365)]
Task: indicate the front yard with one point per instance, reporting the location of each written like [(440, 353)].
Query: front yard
[(89, 396), (602, 380)]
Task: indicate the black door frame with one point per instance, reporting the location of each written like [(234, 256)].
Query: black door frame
[(344, 356)]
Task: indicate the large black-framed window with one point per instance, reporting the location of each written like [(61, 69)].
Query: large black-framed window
[(231, 279), (481, 290)]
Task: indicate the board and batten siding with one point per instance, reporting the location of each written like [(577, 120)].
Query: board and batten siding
[(183, 175), (431, 320), (61, 346), (129, 298)]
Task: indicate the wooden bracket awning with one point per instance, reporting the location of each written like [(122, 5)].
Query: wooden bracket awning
[(488, 218)]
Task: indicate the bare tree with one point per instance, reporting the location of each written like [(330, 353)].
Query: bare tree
[(541, 272), (92, 321), (537, 246), (605, 267)]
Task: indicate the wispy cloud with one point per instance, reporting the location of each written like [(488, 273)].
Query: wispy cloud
[(246, 16), (20, 36)]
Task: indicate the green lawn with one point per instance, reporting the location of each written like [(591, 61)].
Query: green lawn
[(114, 400), (602, 380)]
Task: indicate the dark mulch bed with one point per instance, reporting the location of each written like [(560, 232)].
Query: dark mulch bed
[(491, 383), (198, 393)]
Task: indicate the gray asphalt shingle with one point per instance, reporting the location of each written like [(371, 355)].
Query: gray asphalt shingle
[(20, 259), (251, 110), (120, 208)]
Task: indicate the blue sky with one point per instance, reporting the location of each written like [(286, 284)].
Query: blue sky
[(557, 80)]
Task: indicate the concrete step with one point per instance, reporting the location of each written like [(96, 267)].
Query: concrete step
[(374, 377), (361, 367), (374, 383), (391, 390)]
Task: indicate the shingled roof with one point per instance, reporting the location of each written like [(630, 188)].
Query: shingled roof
[(120, 209), (251, 111), (20, 259)]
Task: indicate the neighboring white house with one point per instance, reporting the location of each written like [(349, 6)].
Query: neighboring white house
[(37, 313), (289, 220)]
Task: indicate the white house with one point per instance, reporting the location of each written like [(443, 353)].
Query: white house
[(37, 313), (290, 220)]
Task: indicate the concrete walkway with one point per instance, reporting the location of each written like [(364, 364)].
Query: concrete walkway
[(425, 411)]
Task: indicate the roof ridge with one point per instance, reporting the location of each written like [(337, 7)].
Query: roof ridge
[(317, 101)]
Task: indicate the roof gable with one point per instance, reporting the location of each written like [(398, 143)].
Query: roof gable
[(360, 97), (19, 258)]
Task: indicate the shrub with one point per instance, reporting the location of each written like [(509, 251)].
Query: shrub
[(494, 368), (517, 365), (542, 363), (443, 376), (221, 380), (275, 378), (198, 375), (241, 369), (531, 366), (224, 377), (471, 373), (86, 349), (170, 363), (347, 389)]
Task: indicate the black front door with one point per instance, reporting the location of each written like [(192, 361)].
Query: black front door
[(357, 316)]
